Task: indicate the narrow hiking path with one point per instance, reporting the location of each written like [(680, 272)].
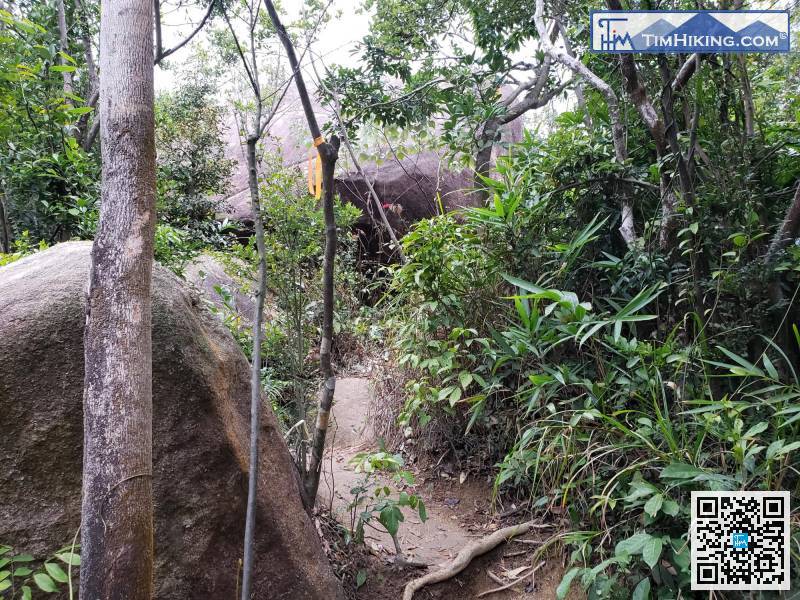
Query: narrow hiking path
[(436, 540), (458, 513)]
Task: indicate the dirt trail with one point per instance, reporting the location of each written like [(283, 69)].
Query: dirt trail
[(458, 513), (435, 541)]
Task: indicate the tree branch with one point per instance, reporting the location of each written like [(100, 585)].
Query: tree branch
[(161, 54)]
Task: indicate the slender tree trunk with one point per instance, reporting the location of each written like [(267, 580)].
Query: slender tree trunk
[(255, 370), (627, 227), (483, 157), (699, 264), (337, 111), (579, 93), (5, 229), (329, 154), (747, 100), (311, 482), (117, 506), (666, 133), (64, 44)]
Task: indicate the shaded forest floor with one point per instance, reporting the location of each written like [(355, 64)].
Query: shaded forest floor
[(459, 512)]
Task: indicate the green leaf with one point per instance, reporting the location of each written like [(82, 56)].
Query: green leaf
[(788, 448), (4, 562), (71, 558), (5, 574), (771, 370), (423, 513), (642, 590), (654, 504), (5, 584), (740, 240), (62, 69), (390, 517), (566, 582), (26, 593), (632, 545), (670, 508), (56, 572), (465, 379), (80, 110), (22, 558), (749, 367), (756, 429), (651, 551), (680, 471), (44, 583), (361, 578), (22, 572)]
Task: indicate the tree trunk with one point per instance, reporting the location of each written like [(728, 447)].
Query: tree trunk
[(483, 157), (579, 94), (699, 264), (64, 44), (311, 482), (627, 227), (747, 100), (329, 154), (117, 505), (5, 230), (788, 230), (255, 370)]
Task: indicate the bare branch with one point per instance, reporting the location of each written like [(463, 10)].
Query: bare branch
[(161, 54), (685, 73)]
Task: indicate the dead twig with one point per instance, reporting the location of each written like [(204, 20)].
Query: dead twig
[(463, 558), (494, 577), (523, 576)]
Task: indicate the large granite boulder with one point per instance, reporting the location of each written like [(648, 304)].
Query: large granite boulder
[(200, 429)]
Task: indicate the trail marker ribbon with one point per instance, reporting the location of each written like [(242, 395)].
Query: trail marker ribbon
[(315, 169)]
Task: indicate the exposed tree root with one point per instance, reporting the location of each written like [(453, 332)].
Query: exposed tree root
[(463, 558)]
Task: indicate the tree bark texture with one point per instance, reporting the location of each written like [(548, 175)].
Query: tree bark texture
[(117, 507), (747, 100), (255, 371)]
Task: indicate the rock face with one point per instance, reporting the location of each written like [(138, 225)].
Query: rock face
[(409, 190), (207, 274), (200, 431)]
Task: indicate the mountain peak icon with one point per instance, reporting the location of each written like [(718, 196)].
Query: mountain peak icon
[(704, 24)]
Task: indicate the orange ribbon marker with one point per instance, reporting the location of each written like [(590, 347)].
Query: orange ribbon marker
[(315, 170)]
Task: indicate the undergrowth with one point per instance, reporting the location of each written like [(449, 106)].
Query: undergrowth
[(603, 382)]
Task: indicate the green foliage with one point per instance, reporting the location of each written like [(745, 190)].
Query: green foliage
[(373, 500), (22, 576), (173, 247), (532, 338), (23, 246), (50, 182), (192, 170)]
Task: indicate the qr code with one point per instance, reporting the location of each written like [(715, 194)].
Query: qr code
[(740, 540)]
